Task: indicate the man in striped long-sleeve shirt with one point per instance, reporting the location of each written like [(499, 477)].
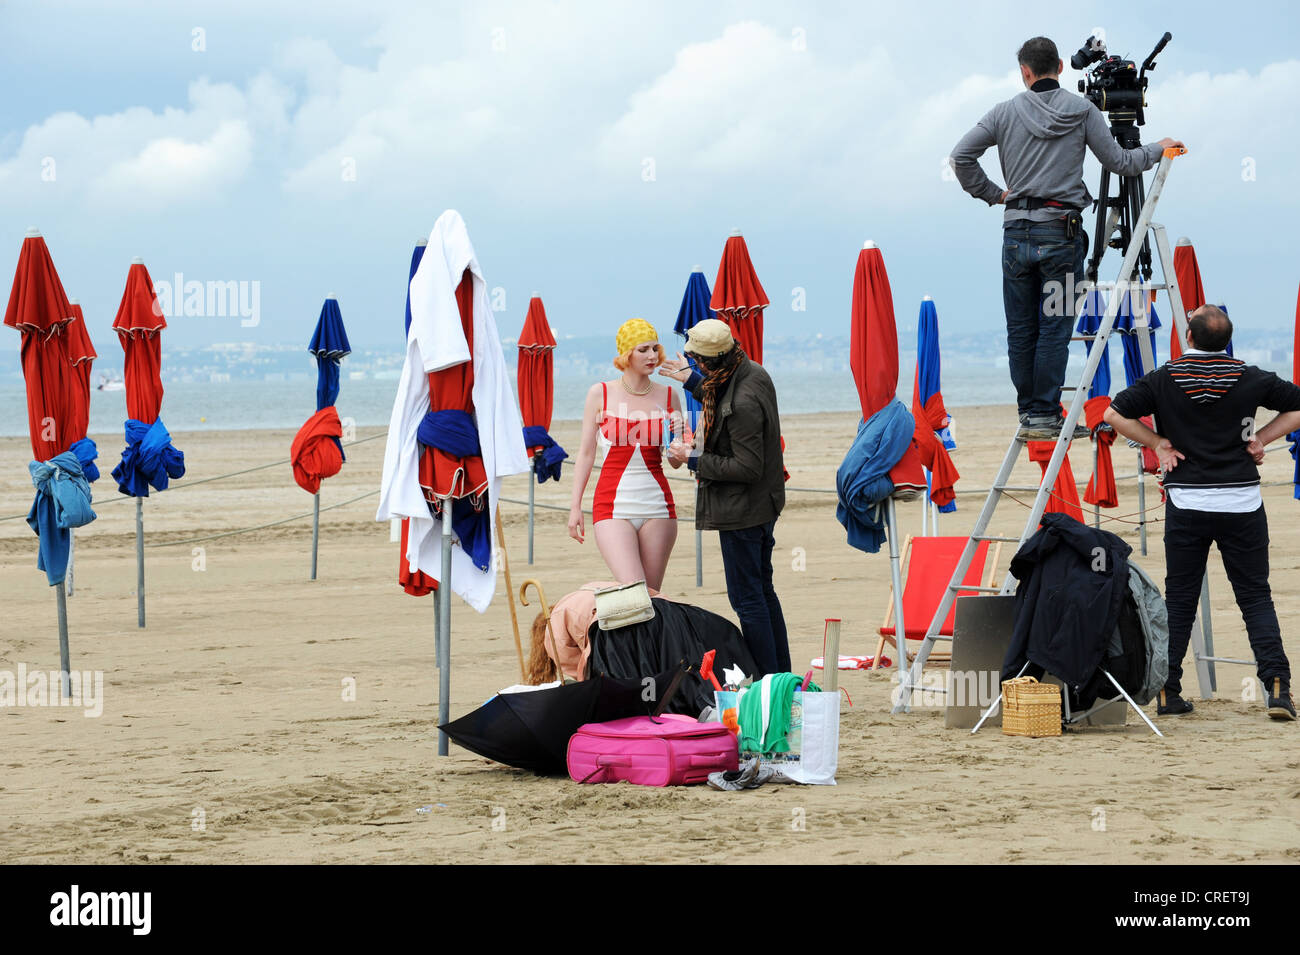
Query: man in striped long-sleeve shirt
[(1209, 449)]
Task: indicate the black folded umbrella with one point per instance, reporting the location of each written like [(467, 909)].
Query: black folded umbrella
[(531, 729), (678, 631)]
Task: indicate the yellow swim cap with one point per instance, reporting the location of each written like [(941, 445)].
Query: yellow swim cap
[(633, 332)]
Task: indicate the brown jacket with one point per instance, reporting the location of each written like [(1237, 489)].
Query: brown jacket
[(741, 471)]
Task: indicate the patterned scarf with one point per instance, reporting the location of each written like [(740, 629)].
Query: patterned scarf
[(715, 382)]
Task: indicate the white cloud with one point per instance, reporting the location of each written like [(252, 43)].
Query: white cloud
[(173, 169)]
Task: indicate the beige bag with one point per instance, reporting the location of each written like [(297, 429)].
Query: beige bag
[(623, 606)]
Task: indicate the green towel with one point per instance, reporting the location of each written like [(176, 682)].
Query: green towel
[(777, 690)]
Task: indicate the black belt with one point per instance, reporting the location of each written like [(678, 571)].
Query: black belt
[(1033, 202)]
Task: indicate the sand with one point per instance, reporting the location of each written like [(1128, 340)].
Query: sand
[(225, 735)]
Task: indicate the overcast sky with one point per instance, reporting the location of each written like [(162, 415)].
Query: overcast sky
[(596, 150)]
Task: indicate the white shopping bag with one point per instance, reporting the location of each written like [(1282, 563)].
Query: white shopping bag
[(814, 736)]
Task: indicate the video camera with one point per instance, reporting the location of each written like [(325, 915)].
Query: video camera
[(1114, 85)]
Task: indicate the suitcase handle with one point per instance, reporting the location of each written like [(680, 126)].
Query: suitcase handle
[(604, 761), (709, 760)]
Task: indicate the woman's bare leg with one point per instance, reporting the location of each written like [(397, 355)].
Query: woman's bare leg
[(617, 541), (656, 539)]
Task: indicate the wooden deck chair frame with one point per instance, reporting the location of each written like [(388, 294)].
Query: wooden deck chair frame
[(938, 656)]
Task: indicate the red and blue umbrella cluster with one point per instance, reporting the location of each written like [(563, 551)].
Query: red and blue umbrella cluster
[(149, 459), (694, 309), (40, 311), (932, 437), (317, 451), (536, 380)]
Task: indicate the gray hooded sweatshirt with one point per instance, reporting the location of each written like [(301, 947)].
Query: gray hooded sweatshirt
[(1040, 139)]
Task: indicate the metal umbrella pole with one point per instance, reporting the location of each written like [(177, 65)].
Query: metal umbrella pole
[(444, 628), (315, 531), (1096, 505), (139, 561), (72, 553), (532, 491), (65, 665), (896, 577), (699, 541), (1142, 505)]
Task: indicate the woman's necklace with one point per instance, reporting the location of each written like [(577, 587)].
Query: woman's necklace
[(639, 394)]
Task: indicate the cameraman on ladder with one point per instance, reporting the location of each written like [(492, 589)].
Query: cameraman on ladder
[(1041, 135)]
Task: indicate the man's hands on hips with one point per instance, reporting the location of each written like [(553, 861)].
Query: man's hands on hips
[(1255, 449), (1167, 455)]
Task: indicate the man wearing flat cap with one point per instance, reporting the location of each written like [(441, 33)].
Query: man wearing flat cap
[(736, 454)]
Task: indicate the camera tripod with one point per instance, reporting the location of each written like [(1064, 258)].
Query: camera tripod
[(1117, 215)]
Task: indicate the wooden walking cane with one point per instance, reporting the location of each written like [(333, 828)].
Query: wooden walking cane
[(546, 615), (510, 592)]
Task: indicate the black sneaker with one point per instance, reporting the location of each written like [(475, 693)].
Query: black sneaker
[(1171, 704), (1039, 428), (1280, 704)]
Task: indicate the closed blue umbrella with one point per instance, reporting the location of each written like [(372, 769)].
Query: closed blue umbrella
[(928, 408), (694, 309), (1133, 339), (329, 345), (1094, 307)]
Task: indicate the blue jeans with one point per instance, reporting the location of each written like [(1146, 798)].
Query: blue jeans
[(747, 564), (1040, 268)]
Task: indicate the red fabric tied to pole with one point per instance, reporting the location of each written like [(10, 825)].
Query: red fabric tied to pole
[(418, 584), (873, 335), (1064, 498), (536, 372), (443, 475), (1188, 273), (315, 453), (934, 456), (139, 324), (739, 299), (1101, 488), (39, 309)]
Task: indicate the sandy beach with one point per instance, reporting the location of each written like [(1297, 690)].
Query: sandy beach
[(226, 737)]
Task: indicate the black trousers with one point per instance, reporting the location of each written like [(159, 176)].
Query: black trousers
[(1242, 540)]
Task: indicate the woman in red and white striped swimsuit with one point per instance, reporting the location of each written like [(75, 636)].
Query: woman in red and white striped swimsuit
[(633, 420)]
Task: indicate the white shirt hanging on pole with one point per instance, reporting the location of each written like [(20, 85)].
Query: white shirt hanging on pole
[(436, 341)]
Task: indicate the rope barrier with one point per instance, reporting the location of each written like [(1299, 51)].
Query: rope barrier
[(259, 527)]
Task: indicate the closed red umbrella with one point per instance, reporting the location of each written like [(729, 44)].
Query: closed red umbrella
[(1188, 273), (39, 309), (873, 353), (536, 371), (81, 353), (1064, 498), (738, 297), (138, 324)]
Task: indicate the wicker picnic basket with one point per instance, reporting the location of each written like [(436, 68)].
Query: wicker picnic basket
[(1030, 708)]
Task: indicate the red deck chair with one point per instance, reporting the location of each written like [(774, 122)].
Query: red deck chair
[(936, 559)]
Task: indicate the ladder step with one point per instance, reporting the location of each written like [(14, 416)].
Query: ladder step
[(1004, 540), (983, 590), (1019, 488)]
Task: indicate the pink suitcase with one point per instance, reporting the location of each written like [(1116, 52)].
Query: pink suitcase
[(669, 750)]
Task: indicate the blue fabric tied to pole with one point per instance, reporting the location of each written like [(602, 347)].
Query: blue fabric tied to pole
[(453, 432), (862, 480), (1294, 438), (552, 454), (62, 502), (86, 453), (148, 459)]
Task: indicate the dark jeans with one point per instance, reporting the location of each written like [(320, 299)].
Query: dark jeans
[(1040, 268), (1243, 544), (747, 563)]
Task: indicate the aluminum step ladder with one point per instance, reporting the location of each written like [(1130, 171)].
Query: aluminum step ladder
[(1119, 289)]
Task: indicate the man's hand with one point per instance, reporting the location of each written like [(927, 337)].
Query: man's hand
[(678, 453), (678, 370), (1167, 455), (1168, 143), (1255, 449), (1005, 193)]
